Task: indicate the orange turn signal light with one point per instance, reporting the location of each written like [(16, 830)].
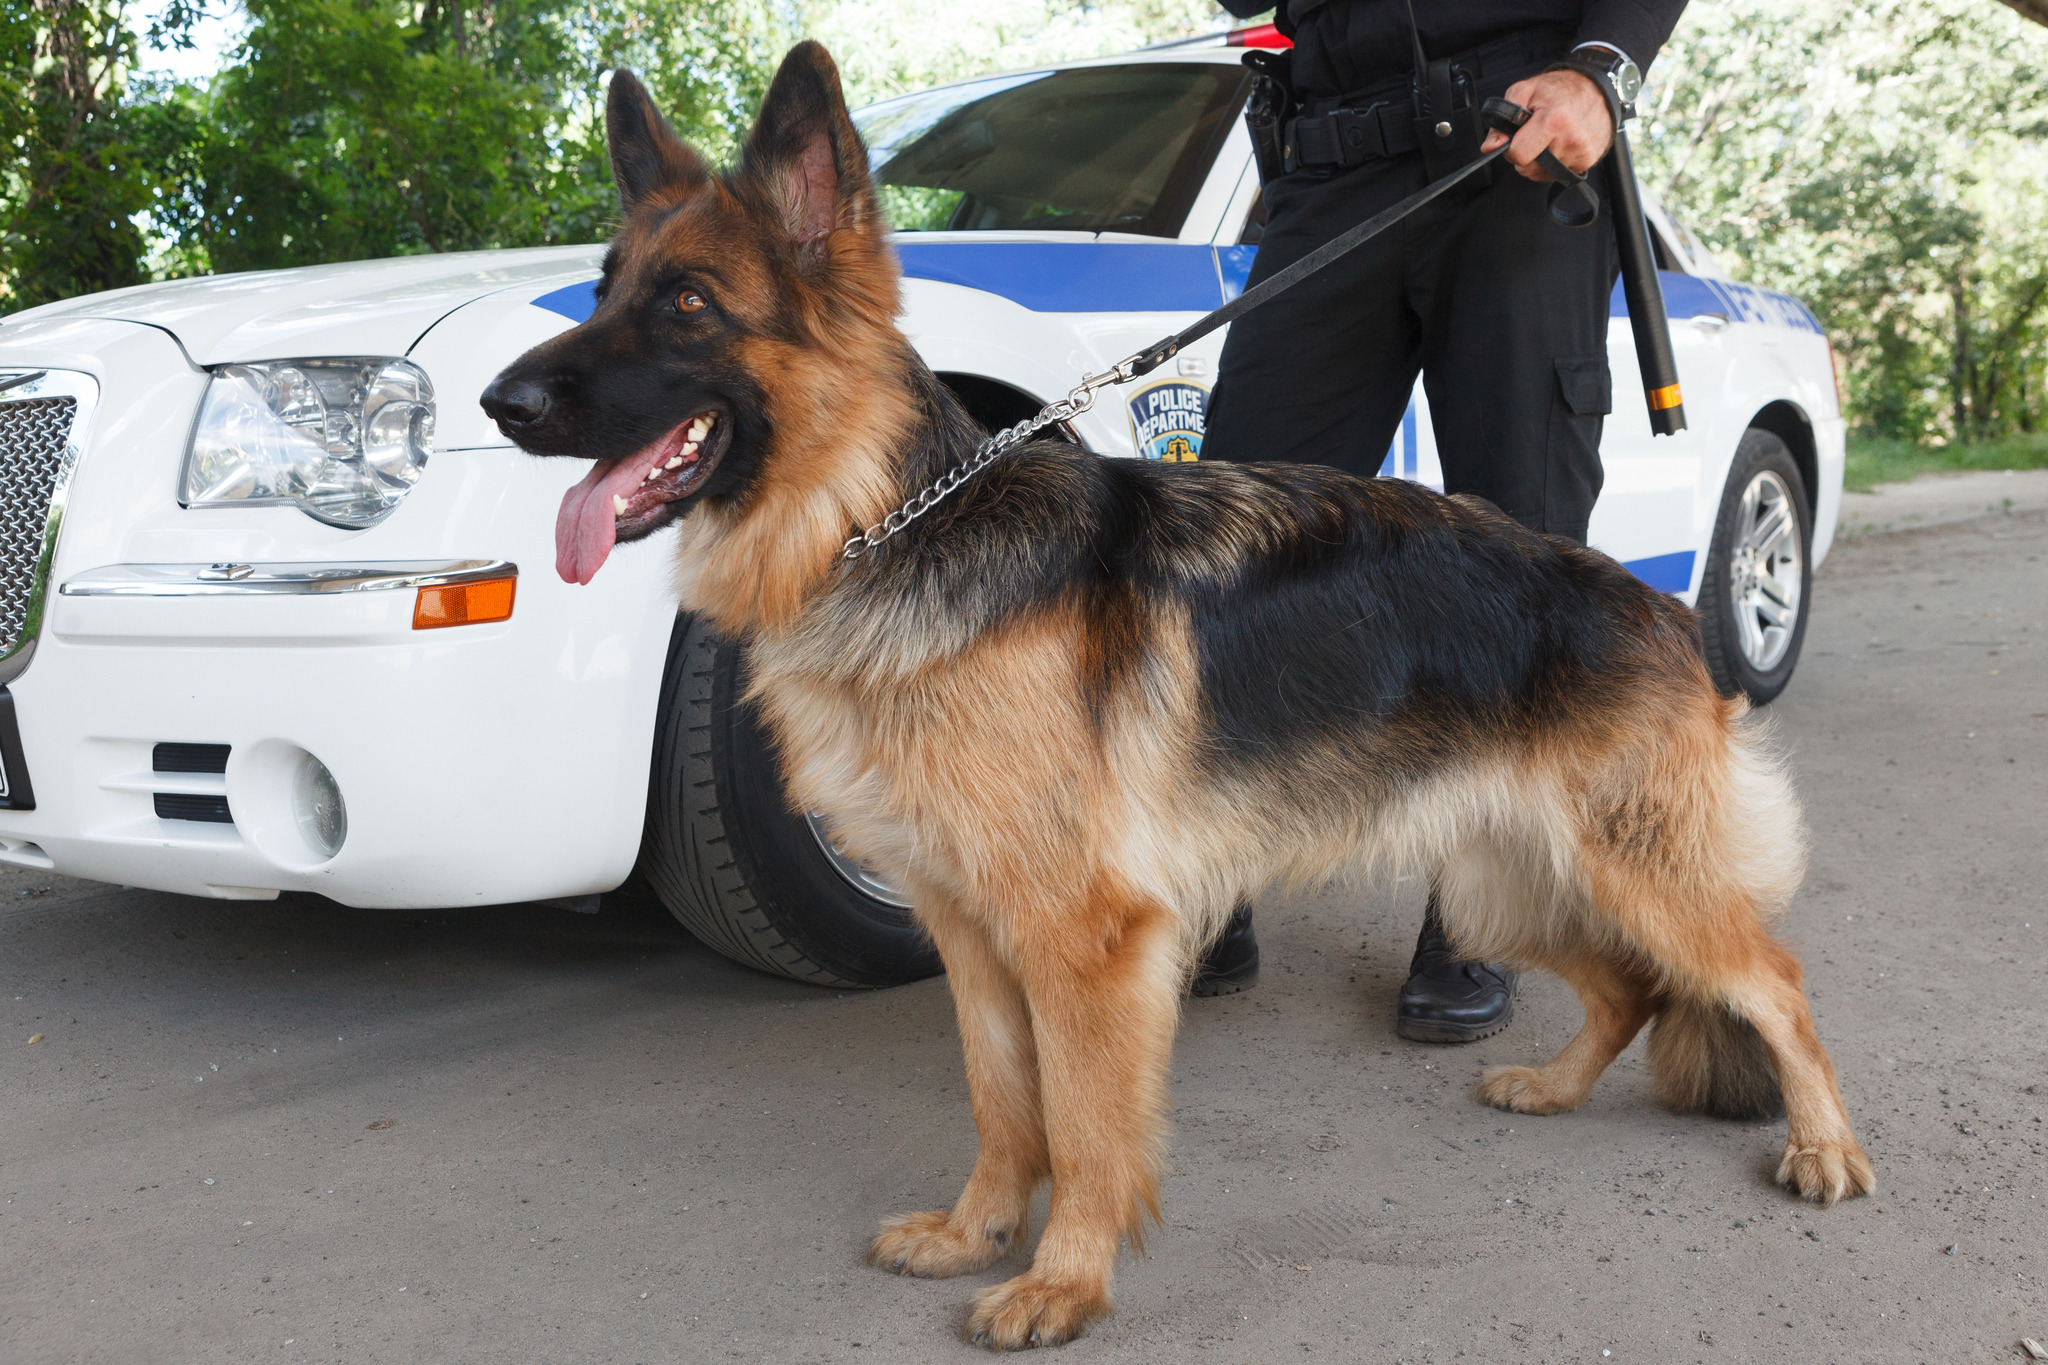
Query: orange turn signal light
[(464, 604)]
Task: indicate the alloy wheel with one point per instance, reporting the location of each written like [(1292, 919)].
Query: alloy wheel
[(1766, 570)]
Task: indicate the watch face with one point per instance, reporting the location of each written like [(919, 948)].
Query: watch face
[(1628, 81)]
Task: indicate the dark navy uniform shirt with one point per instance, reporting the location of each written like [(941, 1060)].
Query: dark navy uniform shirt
[(1342, 46)]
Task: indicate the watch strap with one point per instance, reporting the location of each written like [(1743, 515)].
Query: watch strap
[(1602, 76)]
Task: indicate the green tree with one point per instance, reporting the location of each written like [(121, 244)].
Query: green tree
[(357, 128), (349, 129), (343, 129), (1888, 163), (78, 162)]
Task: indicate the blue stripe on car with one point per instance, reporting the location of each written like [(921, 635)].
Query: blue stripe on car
[(1046, 277), (1665, 573), (1102, 277), (1685, 296), (575, 302), (1074, 277), (1131, 277)]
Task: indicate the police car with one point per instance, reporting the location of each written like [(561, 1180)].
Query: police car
[(276, 611)]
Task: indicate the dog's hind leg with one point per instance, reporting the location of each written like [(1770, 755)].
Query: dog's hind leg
[(1617, 1005), (989, 1220), (1693, 902), (1104, 982), (1822, 1161), (1733, 977), (1499, 899)]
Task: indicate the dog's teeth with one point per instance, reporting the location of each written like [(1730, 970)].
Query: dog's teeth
[(689, 449), (618, 504), (699, 427), (673, 463)]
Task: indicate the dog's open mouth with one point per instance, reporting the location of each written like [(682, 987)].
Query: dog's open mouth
[(634, 495)]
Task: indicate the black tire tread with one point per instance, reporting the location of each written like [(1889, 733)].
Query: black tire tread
[(1758, 447), (687, 849)]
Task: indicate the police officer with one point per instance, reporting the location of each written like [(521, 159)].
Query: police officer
[(1501, 309)]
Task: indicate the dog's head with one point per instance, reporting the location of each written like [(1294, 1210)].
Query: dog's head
[(723, 297)]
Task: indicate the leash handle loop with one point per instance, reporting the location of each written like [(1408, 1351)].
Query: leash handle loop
[(1506, 117)]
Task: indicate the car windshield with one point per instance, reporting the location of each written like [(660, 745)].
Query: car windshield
[(1093, 149)]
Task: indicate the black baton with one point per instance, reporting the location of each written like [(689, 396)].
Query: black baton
[(1644, 293)]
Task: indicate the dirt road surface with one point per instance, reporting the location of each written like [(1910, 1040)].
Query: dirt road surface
[(296, 1132)]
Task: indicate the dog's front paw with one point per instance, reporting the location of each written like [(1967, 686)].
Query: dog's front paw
[(928, 1245), (1033, 1310), (1525, 1090), (1825, 1171)]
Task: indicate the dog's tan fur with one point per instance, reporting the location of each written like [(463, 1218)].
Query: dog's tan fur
[(1047, 784)]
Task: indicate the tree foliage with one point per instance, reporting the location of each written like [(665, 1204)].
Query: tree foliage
[(81, 152), (339, 129), (344, 129), (1885, 162)]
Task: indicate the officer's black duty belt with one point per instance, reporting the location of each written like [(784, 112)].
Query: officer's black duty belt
[(1351, 137)]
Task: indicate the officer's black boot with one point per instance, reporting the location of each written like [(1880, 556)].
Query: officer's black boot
[(1448, 1001), (1232, 962)]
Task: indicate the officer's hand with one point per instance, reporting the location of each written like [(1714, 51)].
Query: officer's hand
[(1566, 114)]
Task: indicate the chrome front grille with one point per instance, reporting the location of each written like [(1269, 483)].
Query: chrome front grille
[(35, 437)]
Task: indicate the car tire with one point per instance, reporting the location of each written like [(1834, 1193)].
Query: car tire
[(1757, 590), (744, 873)]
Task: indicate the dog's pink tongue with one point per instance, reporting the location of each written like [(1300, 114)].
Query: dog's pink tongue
[(587, 526)]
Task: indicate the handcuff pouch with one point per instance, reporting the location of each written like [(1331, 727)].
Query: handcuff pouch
[(1448, 126)]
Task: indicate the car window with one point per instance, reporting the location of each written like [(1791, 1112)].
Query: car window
[(1667, 256), (1677, 248), (1093, 149)]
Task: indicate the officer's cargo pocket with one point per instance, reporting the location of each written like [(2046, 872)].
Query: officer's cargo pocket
[(1571, 472), (1587, 386)]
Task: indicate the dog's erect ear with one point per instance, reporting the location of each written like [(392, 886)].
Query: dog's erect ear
[(804, 157), (646, 153)]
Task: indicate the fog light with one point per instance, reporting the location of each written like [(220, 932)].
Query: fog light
[(464, 604), (316, 802)]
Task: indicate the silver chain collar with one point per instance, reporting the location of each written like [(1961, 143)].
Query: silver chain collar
[(1078, 400)]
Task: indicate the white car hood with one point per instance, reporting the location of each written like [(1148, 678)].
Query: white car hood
[(358, 308)]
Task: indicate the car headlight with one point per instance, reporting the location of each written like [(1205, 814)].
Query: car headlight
[(342, 439)]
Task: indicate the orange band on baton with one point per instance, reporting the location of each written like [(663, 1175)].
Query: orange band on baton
[(1666, 397)]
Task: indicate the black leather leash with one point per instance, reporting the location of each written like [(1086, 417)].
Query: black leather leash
[(1499, 113), (1502, 115)]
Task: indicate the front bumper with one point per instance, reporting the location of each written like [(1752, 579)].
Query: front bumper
[(479, 764), (466, 779)]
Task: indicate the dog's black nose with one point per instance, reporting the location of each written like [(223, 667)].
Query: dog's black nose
[(514, 403)]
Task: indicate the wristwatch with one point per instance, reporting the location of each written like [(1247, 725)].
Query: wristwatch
[(1612, 70)]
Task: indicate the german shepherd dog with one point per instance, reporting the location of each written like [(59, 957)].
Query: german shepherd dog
[(1086, 705)]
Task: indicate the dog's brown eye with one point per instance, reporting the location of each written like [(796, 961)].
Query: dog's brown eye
[(689, 301)]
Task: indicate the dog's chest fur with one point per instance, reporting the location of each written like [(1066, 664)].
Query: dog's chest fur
[(950, 768)]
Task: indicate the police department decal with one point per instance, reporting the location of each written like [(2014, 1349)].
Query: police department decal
[(1167, 420)]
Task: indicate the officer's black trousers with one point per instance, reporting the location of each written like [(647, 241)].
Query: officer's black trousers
[(1502, 310)]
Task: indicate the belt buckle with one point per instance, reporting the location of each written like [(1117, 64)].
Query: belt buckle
[(1358, 135)]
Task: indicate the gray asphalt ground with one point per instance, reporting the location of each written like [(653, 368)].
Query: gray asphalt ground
[(296, 1132)]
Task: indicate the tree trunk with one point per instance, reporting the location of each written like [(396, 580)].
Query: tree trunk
[(1959, 363), (69, 41)]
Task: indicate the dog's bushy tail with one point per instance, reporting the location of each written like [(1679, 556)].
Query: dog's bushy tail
[(1706, 1060)]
